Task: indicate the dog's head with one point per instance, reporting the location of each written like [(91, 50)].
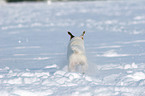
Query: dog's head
[(72, 36)]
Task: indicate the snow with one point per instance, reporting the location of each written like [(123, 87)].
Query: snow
[(137, 76), (112, 53), (33, 46)]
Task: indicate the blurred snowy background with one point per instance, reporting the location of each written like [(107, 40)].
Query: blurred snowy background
[(33, 44)]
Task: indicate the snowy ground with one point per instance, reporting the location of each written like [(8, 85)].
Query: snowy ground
[(33, 43)]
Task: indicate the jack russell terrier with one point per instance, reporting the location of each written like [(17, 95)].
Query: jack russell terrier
[(76, 54)]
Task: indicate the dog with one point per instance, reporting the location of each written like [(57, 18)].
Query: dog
[(76, 54)]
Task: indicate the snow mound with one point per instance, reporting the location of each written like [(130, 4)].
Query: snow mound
[(137, 76), (59, 82), (112, 53)]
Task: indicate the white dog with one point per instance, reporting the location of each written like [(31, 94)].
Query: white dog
[(76, 54)]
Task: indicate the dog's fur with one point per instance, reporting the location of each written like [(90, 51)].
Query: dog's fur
[(76, 54)]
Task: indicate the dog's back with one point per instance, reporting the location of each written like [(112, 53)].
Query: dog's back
[(76, 45)]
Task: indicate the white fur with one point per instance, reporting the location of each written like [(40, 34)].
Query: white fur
[(76, 55)]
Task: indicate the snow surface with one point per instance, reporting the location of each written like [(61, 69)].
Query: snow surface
[(33, 45)]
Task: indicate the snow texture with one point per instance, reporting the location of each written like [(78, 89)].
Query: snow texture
[(33, 48)]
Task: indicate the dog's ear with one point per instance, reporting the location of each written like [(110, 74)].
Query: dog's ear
[(82, 36), (71, 36)]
